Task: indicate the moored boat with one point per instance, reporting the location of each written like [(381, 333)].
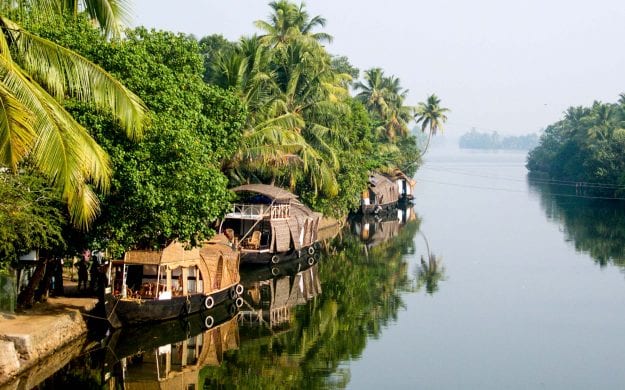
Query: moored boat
[(149, 286), (384, 191), (270, 225)]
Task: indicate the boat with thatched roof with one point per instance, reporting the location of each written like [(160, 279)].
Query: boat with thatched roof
[(269, 225), (384, 191), (149, 285)]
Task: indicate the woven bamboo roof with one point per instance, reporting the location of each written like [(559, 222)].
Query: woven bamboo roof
[(380, 181), (269, 191), (398, 174), (173, 253)]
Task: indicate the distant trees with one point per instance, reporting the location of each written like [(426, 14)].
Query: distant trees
[(493, 140), (587, 146)]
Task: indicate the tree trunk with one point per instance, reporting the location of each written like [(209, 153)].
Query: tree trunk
[(26, 298)]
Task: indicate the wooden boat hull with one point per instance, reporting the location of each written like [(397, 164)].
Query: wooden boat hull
[(258, 257), (137, 311)]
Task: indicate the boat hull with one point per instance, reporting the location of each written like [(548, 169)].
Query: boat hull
[(137, 311), (258, 257)]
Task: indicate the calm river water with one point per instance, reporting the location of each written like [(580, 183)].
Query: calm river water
[(492, 282)]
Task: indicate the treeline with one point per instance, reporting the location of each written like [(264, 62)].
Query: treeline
[(587, 146), (138, 137), (493, 140)]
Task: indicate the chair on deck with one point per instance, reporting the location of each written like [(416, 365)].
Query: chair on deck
[(254, 241)]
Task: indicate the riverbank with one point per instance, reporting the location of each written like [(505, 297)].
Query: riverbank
[(28, 337)]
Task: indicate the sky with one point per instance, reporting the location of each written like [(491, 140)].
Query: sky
[(498, 65)]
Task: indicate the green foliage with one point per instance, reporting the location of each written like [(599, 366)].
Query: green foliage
[(586, 146), (477, 140), (168, 185), (30, 216)]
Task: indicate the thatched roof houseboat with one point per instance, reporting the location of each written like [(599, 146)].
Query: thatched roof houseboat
[(150, 285), (269, 224), (385, 190)]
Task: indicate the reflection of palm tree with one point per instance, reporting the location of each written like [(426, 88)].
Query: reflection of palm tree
[(430, 272)]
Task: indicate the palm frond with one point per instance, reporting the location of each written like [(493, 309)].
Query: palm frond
[(64, 72)]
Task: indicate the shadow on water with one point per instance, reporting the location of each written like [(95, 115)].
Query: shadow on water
[(594, 226), (301, 322)]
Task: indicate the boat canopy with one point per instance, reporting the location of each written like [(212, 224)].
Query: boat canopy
[(173, 253), (272, 192)]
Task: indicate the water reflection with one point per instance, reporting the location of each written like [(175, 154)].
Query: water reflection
[(304, 337), (301, 323), (430, 270), (169, 355), (163, 355), (595, 226), (271, 293)]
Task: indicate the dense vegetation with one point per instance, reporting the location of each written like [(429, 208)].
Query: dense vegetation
[(493, 140), (587, 147), (140, 136)]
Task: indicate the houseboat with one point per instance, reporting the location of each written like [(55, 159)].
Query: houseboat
[(384, 191), (270, 225), (149, 286), (380, 196)]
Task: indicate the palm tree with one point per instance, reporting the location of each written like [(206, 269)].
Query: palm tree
[(288, 22), (431, 116), (35, 76), (384, 98)]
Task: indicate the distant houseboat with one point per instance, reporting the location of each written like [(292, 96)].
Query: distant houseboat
[(384, 191), (380, 196), (270, 225), (150, 286)]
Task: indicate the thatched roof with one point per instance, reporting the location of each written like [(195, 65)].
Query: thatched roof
[(397, 174), (173, 253), (269, 191)]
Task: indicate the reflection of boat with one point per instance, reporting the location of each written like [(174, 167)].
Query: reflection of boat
[(159, 285), (270, 225), (270, 298), (375, 229), (169, 354), (385, 191)]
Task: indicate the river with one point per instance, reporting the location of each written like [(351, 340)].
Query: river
[(490, 282)]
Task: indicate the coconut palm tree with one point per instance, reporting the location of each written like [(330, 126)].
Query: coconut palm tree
[(35, 76), (290, 22), (384, 98), (431, 116)]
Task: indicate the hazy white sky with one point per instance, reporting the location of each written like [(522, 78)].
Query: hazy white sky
[(510, 66)]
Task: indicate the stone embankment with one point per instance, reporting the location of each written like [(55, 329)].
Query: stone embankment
[(27, 339)]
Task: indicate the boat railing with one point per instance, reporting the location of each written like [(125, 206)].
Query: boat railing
[(259, 211)]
